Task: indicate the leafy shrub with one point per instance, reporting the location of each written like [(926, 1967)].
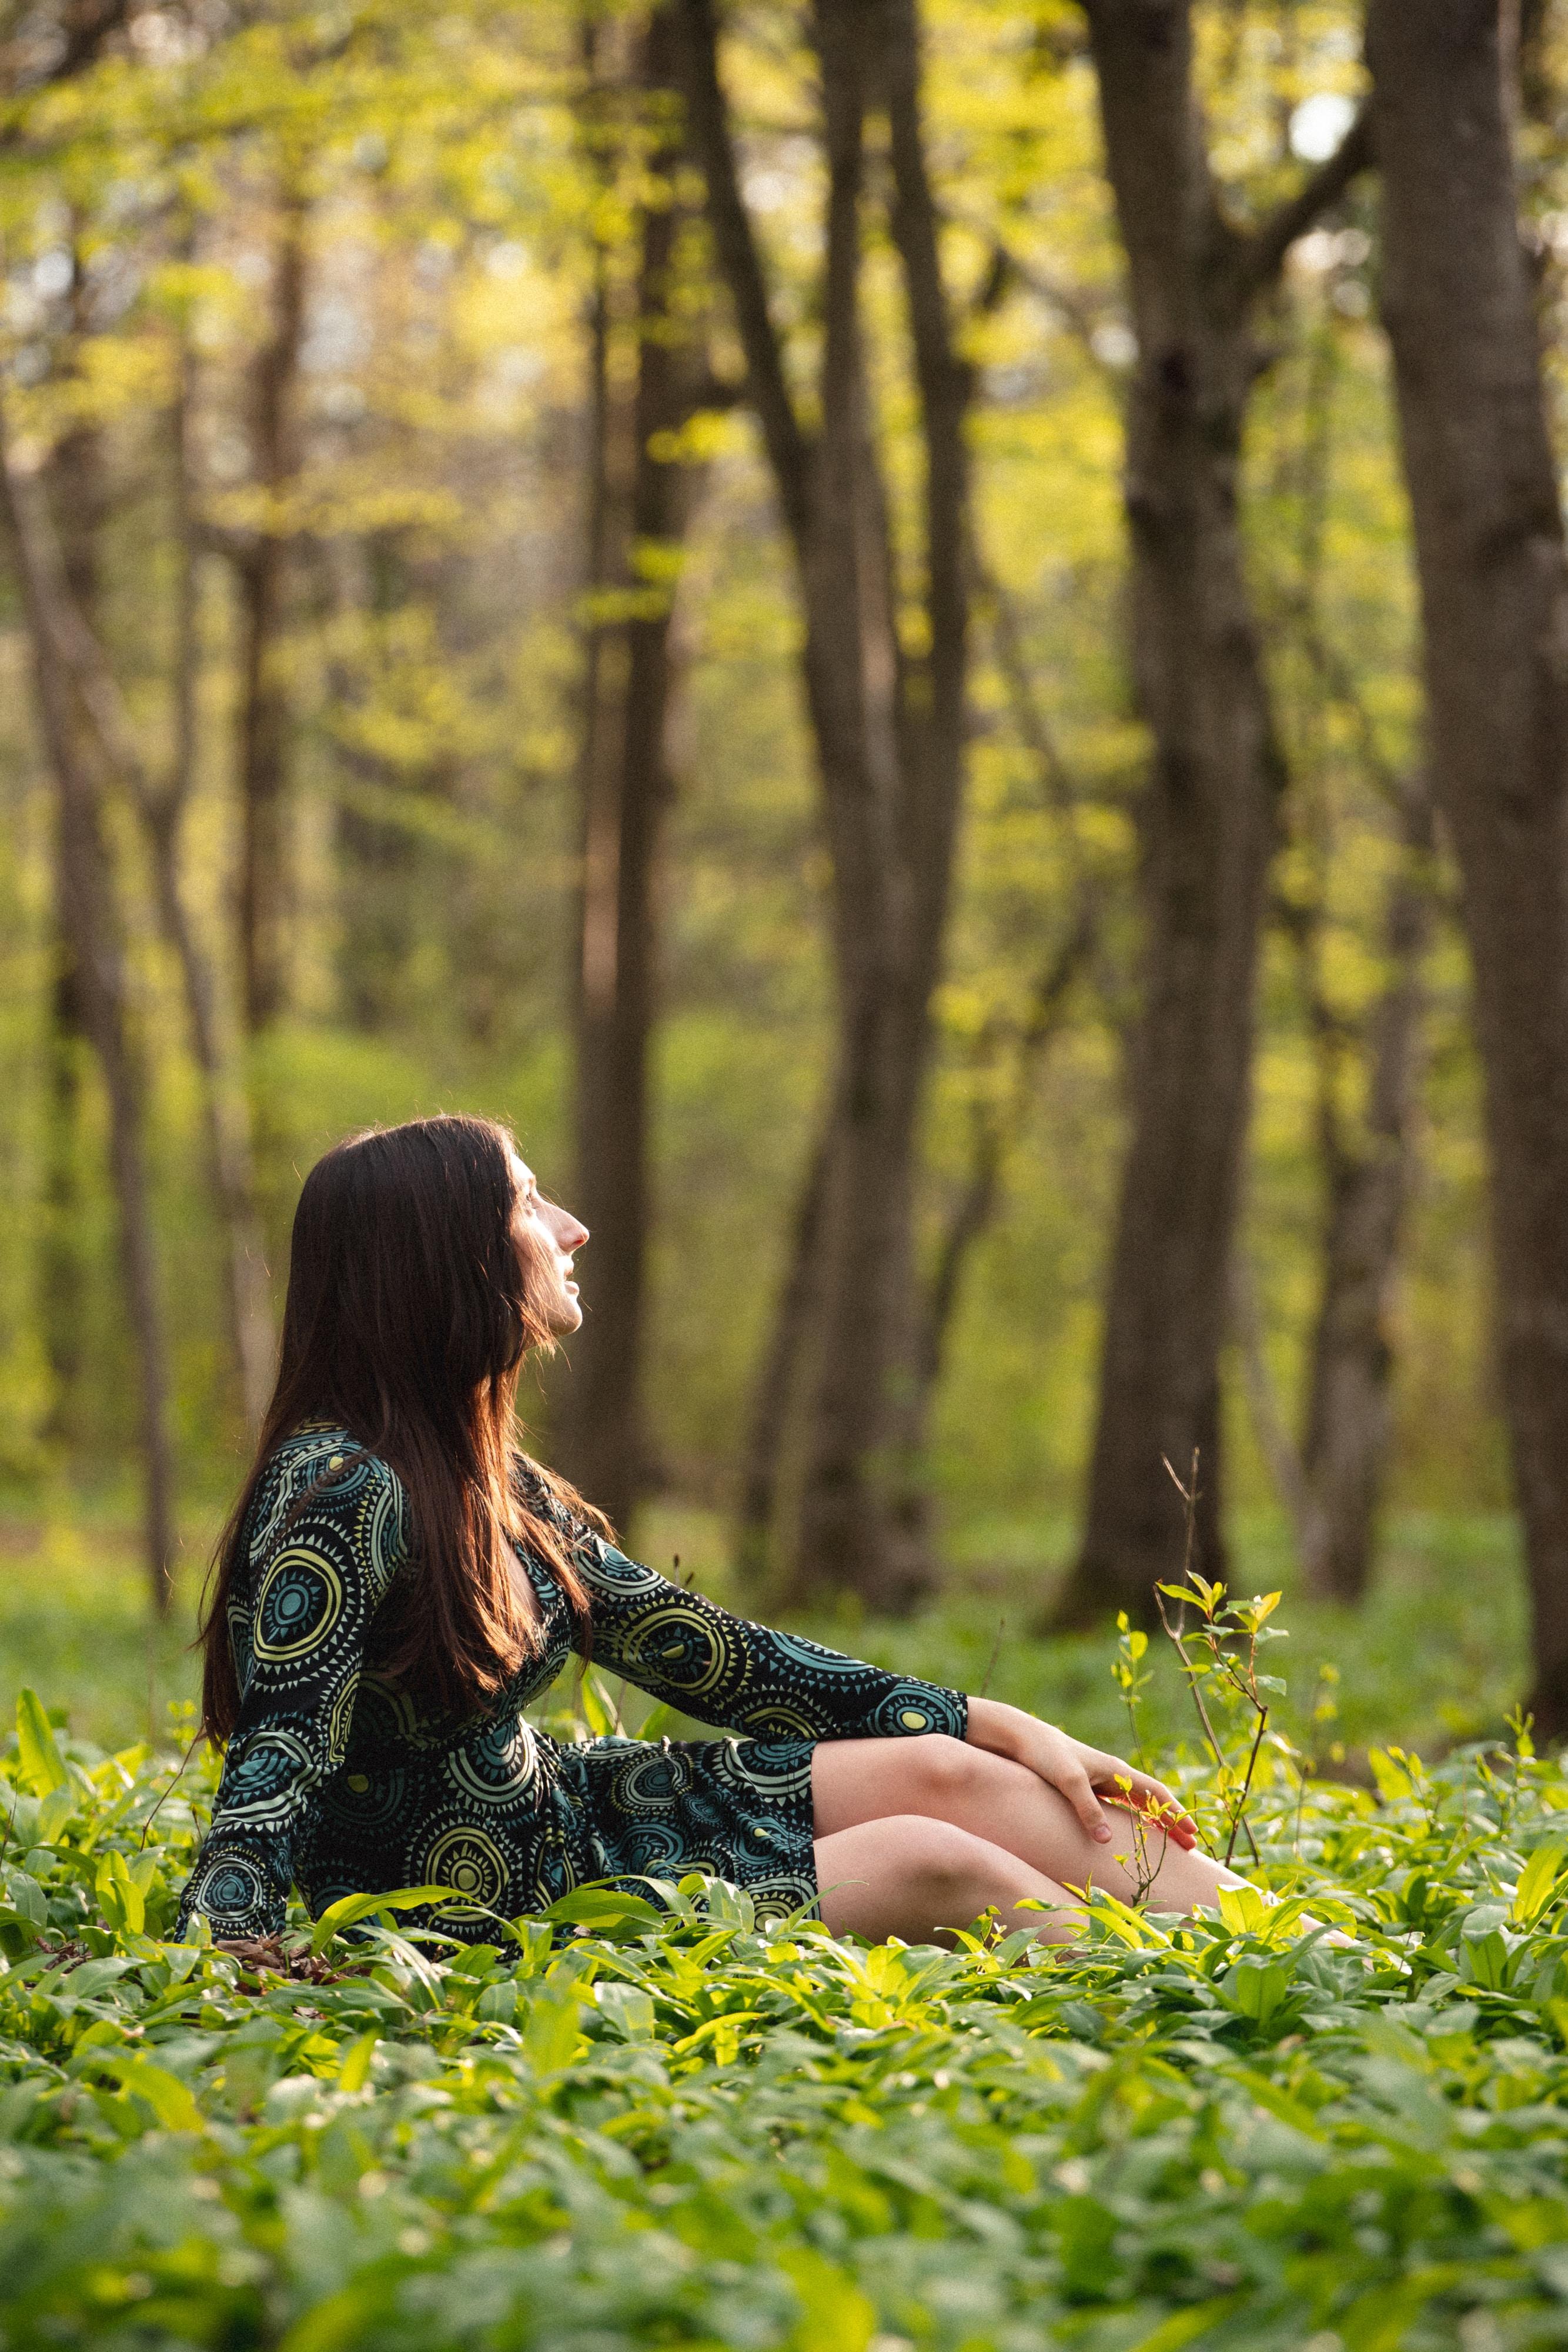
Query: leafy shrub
[(622, 2125)]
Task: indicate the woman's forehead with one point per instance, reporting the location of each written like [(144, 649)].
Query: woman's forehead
[(520, 1169)]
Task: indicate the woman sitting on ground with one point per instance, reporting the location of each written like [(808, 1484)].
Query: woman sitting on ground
[(398, 1582)]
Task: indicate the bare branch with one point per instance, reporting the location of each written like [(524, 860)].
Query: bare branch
[(740, 262), (1264, 252)]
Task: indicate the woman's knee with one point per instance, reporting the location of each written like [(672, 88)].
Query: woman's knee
[(945, 1861), (942, 1769)]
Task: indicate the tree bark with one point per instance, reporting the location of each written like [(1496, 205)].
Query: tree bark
[(793, 1314), (79, 500), (225, 1110), (260, 559), (998, 1119), (1331, 1483), (888, 728), (1490, 549), (1344, 1452), (97, 954), (1208, 814), (626, 788), (62, 594)]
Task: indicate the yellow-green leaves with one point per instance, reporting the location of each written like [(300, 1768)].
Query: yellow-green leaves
[(351, 1909), (1537, 1884), (121, 1891), (43, 1766)]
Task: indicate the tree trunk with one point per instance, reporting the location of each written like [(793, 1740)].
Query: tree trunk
[(626, 789), (998, 1122), (1208, 814), (260, 559), (794, 1312), (79, 500), (226, 1113), (889, 730), (1494, 587), (1346, 1451), (95, 946)]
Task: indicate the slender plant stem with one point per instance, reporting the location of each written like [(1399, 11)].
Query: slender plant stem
[(1238, 1822)]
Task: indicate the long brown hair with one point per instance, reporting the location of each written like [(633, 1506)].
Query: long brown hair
[(409, 1310)]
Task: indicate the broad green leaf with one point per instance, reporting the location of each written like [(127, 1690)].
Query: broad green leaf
[(1393, 1781), (43, 1766), (628, 2009), (355, 2071), (835, 2315), (1244, 1909), (54, 1812), (553, 2034), (123, 1904), (169, 2098), (601, 1908), (1537, 1883), (350, 1909)]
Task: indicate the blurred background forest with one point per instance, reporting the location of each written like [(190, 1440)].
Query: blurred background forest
[(809, 603)]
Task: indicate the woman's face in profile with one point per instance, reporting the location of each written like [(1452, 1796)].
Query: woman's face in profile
[(546, 1235)]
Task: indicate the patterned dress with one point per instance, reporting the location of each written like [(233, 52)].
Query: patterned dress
[(336, 1780)]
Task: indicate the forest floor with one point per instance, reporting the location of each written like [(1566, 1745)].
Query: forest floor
[(621, 2128), (1434, 1657)]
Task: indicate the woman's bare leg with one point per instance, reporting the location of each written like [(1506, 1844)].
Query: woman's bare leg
[(856, 1781), (909, 1875)]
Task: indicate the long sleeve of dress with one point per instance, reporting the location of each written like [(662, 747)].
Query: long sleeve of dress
[(739, 1676), (320, 1568)]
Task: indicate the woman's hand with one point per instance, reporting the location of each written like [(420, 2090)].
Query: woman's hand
[(1087, 1776)]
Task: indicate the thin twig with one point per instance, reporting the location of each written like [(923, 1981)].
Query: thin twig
[(996, 1653), (1238, 1820)]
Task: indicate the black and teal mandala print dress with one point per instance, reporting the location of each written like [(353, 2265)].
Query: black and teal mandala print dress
[(337, 1782)]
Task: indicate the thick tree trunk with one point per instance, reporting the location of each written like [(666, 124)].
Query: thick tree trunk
[(1209, 813), (888, 730), (261, 568), (1494, 586), (94, 941), (626, 789)]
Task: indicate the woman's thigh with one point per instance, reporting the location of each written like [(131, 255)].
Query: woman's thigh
[(909, 1875)]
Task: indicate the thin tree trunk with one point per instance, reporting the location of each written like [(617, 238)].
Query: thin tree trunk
[(225, 1112), (1344, 1451), (888, 730), (161, 810), (1209, 814), (1490, 549), (62, 1291), (260, 560), (90, 915), (998, 1126), (793, 1313), (626, 790), (78, 498)]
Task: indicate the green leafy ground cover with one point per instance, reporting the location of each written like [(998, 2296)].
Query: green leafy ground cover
[(620, 2126)]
